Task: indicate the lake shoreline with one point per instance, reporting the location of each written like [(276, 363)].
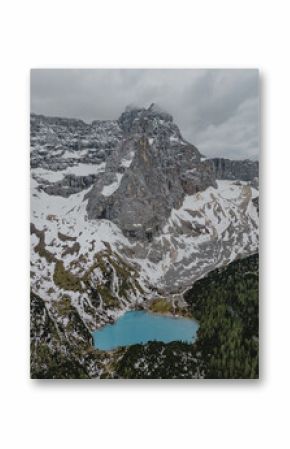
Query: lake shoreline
[(142, 326)]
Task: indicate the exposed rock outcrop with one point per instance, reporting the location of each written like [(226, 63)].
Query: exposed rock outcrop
[(161, 169), (244, 170)]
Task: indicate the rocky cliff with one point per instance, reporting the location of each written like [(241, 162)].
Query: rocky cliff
[(245, 170), (150, 175)]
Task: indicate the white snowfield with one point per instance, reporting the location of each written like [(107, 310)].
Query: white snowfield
[(126, 162), (225, 217), (74, 154), (211, 228), (77, 170)]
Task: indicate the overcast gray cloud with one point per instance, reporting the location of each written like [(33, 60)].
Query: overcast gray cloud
[(216, 110)]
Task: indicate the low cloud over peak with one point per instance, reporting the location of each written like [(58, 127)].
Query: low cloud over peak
[(216, 110)]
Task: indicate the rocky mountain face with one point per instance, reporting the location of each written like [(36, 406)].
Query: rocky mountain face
[(123, 212), (245, 170), (67, 154), (150, 175)]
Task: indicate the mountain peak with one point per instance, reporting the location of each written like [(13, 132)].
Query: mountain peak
[(149, 175), (157, 109), (145, 120)]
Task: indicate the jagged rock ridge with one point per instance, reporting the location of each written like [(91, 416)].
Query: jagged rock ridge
[(150, 175), (245, 170)]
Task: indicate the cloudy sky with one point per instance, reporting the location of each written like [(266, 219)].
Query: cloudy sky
[(216, 110)]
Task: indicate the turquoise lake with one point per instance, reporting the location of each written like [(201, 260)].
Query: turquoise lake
[(141, 327)]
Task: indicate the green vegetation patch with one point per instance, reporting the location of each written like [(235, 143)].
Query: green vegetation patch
[(55, 365), (107, 261), (161, 305), (157, 360), (107, 297), (226, 304), (71, 250), (64, 279), (59, 349), (40, 247), (65, 238)]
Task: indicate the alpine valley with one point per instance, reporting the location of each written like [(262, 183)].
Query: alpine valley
[(126, 215)]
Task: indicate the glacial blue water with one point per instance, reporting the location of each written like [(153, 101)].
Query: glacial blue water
[(141, 327)]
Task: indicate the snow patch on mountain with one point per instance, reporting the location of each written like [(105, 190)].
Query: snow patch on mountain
[(111, 188)]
